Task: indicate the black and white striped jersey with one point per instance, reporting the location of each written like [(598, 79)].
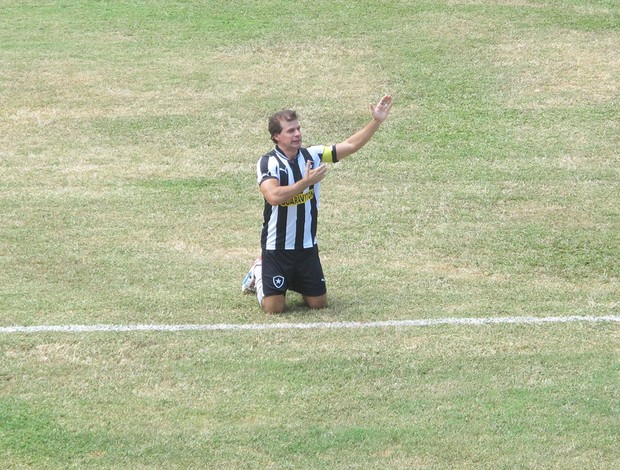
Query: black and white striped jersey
[(292, 225)]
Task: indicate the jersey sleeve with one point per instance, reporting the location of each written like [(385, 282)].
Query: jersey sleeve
[(326, 153), (267, 168)]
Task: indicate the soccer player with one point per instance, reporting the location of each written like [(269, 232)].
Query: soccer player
[(289, 178)]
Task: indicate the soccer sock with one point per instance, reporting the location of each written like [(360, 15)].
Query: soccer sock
[(258, 279)]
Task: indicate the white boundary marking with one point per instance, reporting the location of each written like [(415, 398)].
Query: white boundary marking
[(304, 326)]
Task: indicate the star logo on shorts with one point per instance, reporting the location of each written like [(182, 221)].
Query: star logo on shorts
[(278, 281)]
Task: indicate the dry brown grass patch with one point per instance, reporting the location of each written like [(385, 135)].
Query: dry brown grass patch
[(572, 68)]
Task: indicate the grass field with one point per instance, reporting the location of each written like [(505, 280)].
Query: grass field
[(129, 133)]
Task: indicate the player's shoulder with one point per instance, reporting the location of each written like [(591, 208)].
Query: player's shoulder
[(264, 159), (325, 153), (317, 151), (271, 153)]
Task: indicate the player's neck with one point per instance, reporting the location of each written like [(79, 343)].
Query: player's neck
[(291, 153)]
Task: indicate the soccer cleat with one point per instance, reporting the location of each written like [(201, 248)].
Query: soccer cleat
[(248, 286)]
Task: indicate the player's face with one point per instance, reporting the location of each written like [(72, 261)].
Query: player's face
[(289, 140)]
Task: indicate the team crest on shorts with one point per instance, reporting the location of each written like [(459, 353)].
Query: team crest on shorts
[(278, 281)]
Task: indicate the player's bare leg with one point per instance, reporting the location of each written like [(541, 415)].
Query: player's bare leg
[(273, 304), (317, 302)]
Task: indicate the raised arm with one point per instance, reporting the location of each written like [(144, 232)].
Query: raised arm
[(359, 139)]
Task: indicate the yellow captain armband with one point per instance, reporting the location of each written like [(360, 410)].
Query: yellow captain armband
[(328, 156)]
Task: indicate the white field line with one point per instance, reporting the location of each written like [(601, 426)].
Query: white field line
[(305, 326)]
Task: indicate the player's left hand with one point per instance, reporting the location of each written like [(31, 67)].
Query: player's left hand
[(381, 110)]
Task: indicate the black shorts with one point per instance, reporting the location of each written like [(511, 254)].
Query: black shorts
[(297, 270)]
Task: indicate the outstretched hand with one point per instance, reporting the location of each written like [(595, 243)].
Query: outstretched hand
[(380, 111)]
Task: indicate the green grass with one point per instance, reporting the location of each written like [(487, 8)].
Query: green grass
[(129, 134), (441, 397)]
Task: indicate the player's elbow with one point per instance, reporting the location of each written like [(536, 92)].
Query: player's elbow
[(271, 192), (274, 200)]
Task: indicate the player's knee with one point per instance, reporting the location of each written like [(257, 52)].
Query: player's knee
[(316, 302), (269, 309), (273, 304)]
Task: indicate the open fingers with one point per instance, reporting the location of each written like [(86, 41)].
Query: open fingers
[(386, 102)]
